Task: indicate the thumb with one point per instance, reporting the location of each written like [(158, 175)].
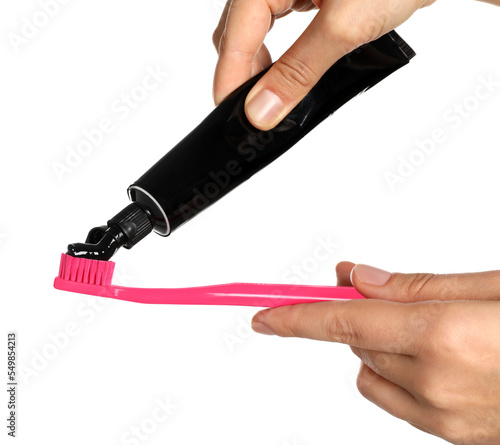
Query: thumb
[(377, 283), (292, 76)]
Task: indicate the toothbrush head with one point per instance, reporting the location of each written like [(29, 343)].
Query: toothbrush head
[(83, 270)]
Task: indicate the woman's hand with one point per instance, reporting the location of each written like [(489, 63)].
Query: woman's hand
[(338, 28), (429, 345)]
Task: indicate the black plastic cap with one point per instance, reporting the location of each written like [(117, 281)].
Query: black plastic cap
[(134, 222)]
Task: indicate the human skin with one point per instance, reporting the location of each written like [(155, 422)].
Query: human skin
[(339, 27), (429, 345)]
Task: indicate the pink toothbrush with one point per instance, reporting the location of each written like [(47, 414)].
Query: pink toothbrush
[(93, 277), (218, 155)]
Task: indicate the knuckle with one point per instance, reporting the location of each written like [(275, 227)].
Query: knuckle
[(427, 328), (351, 34), (418, 283), (435, 391), (219, 39), (364, 381), (449, 336), (293, 73), (482, 435), (363, 384), (424, 320), (226, 47), (377, 25), (340, 329), (433, 394), (290, 322)]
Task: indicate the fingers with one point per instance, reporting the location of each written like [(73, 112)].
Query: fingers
[(338, 28), (241, 40), (221, 26), (368, 324), (296, 72), (388, 396), (380, 284), (397, 368), (343, 271)]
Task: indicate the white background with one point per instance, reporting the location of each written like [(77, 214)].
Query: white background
[(228, 385)]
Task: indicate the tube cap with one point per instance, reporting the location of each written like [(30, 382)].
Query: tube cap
[(134, 222)]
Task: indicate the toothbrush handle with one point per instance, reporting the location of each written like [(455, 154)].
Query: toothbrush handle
[(232, 294), (275, 295)]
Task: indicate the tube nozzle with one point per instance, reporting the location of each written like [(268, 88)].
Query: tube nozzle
[(125, 229)]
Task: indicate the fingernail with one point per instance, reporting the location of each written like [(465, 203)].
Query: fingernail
[(370, 275), (262, 328), (264, 107)]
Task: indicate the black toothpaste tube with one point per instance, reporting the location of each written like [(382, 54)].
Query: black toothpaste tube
[(225, 150)]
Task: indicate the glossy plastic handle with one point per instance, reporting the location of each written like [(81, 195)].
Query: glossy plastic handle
[(233, 294)]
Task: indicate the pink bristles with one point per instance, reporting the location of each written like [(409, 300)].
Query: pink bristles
[(82, 270)]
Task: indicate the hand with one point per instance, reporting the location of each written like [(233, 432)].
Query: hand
[(429, 345), (338, 28)]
